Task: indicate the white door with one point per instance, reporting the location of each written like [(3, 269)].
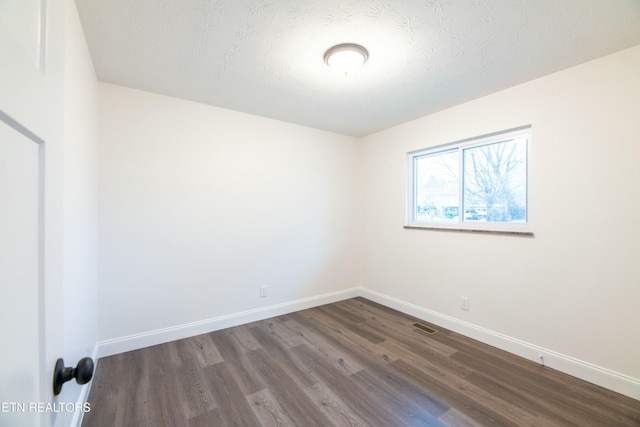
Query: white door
[(19, 276), (31, 51)]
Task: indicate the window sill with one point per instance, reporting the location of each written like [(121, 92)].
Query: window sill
[(471, 230)]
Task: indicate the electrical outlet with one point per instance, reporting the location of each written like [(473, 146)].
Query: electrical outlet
[(464, 303), (263, 291)]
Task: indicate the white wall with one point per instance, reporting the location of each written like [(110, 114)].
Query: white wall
[(199, 206), (80, 199), (574, 288)]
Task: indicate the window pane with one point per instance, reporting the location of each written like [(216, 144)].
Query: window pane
[(495, 182), (437, 187)]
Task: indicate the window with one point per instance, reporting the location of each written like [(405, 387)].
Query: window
[(476, 184)]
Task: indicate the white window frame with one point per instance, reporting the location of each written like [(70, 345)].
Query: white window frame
[(523, 228)]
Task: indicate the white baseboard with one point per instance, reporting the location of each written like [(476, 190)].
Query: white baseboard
[(160, 336), (603, 377), (606, 378)]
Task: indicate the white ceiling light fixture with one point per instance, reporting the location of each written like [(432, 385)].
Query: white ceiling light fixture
[(346, 58)]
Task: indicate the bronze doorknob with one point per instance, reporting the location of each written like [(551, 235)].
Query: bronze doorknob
[(83, 372)]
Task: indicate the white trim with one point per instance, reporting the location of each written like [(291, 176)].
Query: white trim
[(458, 147), (160, 336), (603, 377), (76, 421)]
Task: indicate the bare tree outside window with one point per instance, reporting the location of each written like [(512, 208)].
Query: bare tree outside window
[(482, 180), (495, 181)]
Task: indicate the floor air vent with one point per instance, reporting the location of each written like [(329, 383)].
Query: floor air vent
[(425, 328)]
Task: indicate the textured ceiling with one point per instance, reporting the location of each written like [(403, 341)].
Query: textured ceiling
[(265, 57)]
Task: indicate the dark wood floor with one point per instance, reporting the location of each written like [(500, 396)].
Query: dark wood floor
[(352, 363)]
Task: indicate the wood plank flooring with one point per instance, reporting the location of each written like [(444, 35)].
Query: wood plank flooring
[(351, 363)]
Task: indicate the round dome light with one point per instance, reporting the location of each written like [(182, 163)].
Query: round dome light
[(346, 58)]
